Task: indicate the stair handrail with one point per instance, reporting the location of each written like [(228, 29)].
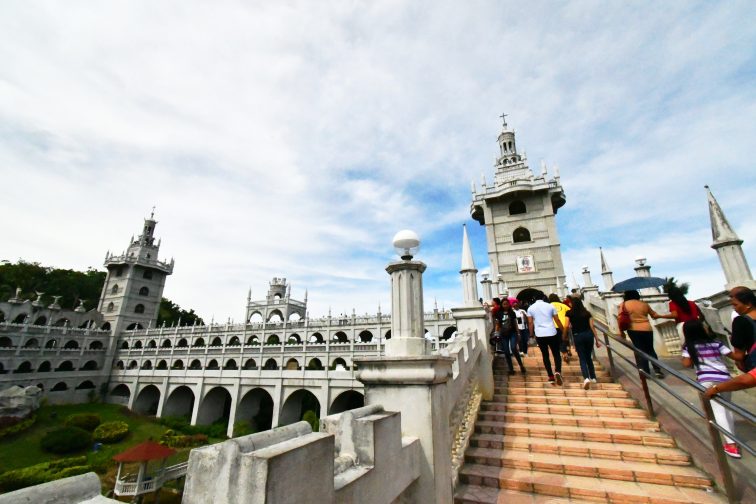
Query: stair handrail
[(714, 429)]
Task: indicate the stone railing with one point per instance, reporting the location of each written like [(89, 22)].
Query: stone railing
[(358, 456), (463, 394)]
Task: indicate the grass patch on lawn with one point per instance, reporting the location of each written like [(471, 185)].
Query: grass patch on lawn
[(24, 449)]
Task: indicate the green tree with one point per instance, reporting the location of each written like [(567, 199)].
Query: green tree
[(71, 285), (673, 282), (172, 314)]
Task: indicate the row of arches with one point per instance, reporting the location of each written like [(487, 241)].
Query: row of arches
[(293, 364), (364, 336), (275, 316), (47, 366), (42, 320), (6, 342), (256, 406), (61, 386)]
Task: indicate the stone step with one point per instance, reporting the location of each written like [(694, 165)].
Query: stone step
[(641, 424), (583, 487), (536, 384), (545, 409), (624, 436), (641, 472), (539, 369), (474, 494), (593, 449), (565, 401), (567, 392), (534, 378)]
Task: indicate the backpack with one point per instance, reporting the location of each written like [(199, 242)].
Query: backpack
[(750, 360)]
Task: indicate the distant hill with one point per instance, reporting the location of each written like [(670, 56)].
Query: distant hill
[(72, 286)]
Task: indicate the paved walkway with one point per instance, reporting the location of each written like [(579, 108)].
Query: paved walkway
[(686, 427)]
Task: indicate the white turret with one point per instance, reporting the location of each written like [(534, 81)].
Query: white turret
[(728, 247)]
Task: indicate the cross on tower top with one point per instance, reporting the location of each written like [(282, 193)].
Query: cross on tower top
[(152, 214), (504, 119)]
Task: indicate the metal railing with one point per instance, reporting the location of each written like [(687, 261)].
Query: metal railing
[(613, 343)]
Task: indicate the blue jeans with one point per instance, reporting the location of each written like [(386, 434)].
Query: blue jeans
[(584, 348), (507, 345), (524, 336)]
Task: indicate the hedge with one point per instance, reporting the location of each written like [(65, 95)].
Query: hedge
[(17, 427), (42, 473), (111, 432), (66, 440), (86, 421)]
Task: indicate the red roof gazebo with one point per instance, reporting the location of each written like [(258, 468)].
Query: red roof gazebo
[(142, 483)]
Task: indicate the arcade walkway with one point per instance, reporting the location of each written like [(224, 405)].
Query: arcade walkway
[(538, 443)]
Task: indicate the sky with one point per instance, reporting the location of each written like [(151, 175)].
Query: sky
[(294, 139)]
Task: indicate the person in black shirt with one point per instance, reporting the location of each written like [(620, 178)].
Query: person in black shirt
[(743, 338), (583, 333)]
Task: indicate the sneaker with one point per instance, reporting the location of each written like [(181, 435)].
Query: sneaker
[(551, 380), (523, 371), (732, 450), (659, 374), (593, 380), (522, 354), (586, 384), (511, 372), (558, 378)]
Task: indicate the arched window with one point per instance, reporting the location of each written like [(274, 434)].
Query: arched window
[(119, 272), (216, 342), (111, 307), (517, 207), (213, 364), (114, 290), (162, 365), (139, 308), (105, 326), (147, 274), (521, 235), (144, 291), (152, 344), (195, 364), (41, 320), (234, 341)]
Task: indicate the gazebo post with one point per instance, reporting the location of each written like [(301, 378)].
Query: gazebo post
[(140, 479)]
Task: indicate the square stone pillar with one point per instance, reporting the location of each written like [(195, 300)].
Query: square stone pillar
[(476, 319), (407, 317), (416, 387)]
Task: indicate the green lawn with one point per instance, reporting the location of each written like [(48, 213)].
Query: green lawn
[(24, 449)]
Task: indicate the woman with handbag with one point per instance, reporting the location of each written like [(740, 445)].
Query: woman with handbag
[(636, 312)]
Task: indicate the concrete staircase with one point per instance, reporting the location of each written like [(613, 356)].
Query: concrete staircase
[(540, 443)]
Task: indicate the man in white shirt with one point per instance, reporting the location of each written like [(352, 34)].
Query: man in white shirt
[(546, 327), (522, 328)]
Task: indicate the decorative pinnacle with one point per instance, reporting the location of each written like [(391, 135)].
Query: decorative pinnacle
[(721, 230), (467, 257)]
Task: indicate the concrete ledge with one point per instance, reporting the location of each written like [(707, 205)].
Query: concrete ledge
[(73, 490)]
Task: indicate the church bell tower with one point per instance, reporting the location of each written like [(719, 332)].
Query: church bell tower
[(134, 284), (519, 211)]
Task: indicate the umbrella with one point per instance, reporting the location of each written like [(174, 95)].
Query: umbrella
[(636, 283)]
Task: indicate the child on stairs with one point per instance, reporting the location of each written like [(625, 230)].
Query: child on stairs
[(705, 352)]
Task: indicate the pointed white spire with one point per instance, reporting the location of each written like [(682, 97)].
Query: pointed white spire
[(721, 230), (556, 170), (249, 294), (544, 170), (472, 186), (305, 299), (468, 272), (483, 179), (604, 265), (467, 258), (728, 247)]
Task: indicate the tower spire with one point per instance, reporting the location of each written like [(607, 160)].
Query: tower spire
[(604, 265), (468, 272), (721, 230), (728, 247)]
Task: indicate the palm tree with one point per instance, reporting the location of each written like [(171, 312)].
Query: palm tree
[(672, 282)]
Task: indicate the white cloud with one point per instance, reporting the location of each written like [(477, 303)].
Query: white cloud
[(294, 139)]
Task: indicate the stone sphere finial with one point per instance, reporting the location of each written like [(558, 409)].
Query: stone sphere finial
[(406, 243)]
